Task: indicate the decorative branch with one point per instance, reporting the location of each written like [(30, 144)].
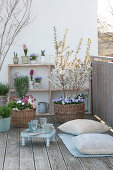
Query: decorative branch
[(14, 16)]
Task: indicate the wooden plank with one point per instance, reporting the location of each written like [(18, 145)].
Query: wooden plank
[(33, 90), (12, 150), (55, 157), (102, 57), (30, 65), (88, 164), (94, 87), (3, 144), (40, 155), (71, 162), (26, 156), (110, 160), (103, 163)]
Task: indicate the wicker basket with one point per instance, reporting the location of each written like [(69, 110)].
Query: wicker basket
[(68, 112), (3, 100), (22, 117)]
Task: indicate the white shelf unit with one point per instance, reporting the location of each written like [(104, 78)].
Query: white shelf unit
[(45, 93)]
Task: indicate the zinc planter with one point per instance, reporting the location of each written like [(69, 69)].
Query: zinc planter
[(4, 124), (25, 59), (69, 112)]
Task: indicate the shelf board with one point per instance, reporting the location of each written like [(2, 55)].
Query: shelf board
[(30, 65), (44, 114), (68, 89), (34, 90)]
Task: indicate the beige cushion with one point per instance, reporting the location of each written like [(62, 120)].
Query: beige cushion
[(80, 126), (94, 143)]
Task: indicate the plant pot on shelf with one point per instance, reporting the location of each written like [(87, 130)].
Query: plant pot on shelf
[(31, 85), (69, 112), (25, 59), (42, 58), (22, 117), (15, 60), (37, 85), (33, 61)]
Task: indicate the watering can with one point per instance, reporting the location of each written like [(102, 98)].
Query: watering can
[(43, 107)]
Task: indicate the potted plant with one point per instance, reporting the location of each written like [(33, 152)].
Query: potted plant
[(70, 72), (5, 113), (43, 55), (23, 111), (37, 81), (31, 82), (4, 90), (15, 58), (21, 85), (25, 59), (33, 58)]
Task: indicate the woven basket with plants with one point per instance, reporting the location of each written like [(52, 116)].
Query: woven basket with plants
[(70, 73), (72, 109), (24, 107), (4, 89)]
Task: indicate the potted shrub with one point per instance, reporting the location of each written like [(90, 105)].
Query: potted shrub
[(70, 72), (23, 111), (21, 85), (24, 108), (5, 113), (4, 89)]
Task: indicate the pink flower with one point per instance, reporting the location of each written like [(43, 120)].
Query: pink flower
[(31, 72), (24, 100), (24, 47)]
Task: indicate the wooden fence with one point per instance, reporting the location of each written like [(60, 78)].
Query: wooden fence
[(102, 88)]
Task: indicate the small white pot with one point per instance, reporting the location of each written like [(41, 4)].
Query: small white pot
[(33, 61), (37, 85), (31, 85)]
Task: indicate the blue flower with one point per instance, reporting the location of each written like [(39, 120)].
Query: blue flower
[(63, 102)]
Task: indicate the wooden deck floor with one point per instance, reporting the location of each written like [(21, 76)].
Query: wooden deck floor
[(36, 156)]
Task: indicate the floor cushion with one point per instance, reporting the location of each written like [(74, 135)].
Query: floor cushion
[(81, 126), (94, 143)]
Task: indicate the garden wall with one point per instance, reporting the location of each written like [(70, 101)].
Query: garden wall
[(80, 16)]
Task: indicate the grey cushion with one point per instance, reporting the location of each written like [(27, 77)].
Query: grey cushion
[(94, 143), (81, 126)]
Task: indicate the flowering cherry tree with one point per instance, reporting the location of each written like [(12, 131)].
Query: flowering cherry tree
[(69, 70)]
